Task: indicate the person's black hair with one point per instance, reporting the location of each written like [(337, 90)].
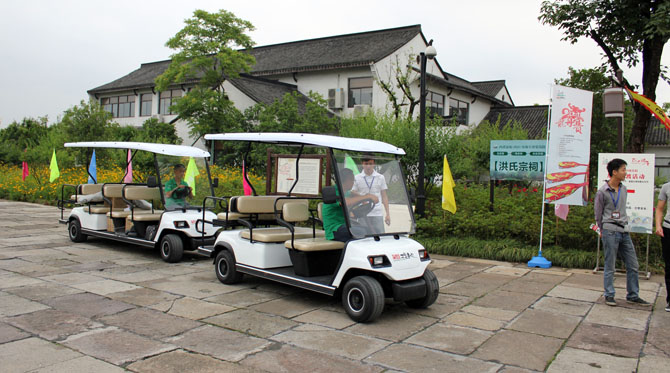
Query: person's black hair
[(346, 174), (368, 157), (614, 165), (179, 166)]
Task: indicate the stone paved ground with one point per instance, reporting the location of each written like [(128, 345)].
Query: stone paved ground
[(108, 307)]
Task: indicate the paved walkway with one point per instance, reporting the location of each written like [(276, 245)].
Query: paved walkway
[(105, 307)]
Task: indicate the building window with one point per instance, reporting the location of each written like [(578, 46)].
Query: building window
[(458, 110), (435, 103), (119, 106), (145, 104), (167, 99), (360, 91)]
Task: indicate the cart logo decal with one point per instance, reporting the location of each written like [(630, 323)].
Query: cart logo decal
[(402, 256)]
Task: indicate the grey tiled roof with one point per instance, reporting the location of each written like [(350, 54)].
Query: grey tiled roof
[(657, 134), (491, 87), (532, 118), (331, 52), (316, 54), (267, 91)]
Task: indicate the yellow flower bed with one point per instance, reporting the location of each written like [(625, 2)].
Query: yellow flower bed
[(37, 188)]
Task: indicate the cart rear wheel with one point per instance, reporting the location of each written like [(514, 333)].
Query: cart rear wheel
[(432, 290), (363, 298), (74, 230), (225, 268), (172, 248)]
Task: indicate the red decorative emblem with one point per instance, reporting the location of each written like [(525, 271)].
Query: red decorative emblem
[(572, 117)]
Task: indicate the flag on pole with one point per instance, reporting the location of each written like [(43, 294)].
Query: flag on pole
[(561, 211), (191, 173), (26, 172), (651, 106), (351, 164), (245, 184), (129, 169), (92, 170), (448, 198), (55, 173)]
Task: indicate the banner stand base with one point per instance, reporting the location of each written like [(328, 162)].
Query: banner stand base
[(539, 261)]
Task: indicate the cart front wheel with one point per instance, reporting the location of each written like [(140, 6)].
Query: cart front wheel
[(432, 290), (172, 248), (363, 298), (74, 230), (225, 268)]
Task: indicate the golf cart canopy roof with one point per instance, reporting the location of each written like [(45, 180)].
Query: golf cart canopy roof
[(336, 142), (165, 149)]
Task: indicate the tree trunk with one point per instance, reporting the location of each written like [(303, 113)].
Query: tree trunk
[(652, 50)]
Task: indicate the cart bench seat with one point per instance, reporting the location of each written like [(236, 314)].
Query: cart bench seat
[(236, 215), (146, 216), (122, 214), (280, 234), (313, 244)]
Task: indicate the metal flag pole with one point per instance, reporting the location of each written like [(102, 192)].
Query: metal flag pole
[(539, 261)]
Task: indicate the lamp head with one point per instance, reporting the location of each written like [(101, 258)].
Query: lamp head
[(431, 52)]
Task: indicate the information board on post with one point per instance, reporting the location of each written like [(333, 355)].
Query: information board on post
[(640, 185), (517, 159), (309, 178), (569, 147)]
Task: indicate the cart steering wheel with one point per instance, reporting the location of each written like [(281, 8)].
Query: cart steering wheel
[(362, 208)]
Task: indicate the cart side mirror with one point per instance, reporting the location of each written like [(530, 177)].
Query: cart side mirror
[(329, 194), (215, 182), (151, 182), (412, 195)]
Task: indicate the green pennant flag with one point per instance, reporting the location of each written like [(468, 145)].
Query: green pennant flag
[(55, 173), (191, 173), (351, 164)]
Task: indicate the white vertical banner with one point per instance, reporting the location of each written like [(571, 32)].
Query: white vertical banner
[(640, 185), (569, 148)]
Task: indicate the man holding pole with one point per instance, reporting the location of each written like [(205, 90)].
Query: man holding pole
[(610, 214)]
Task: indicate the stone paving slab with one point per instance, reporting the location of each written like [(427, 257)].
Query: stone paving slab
[(562, 305), (191, 308), (574, 360), (450, 338), (33, 353), (527, 350), (618, 316), (419, 359), (252, 322), (84, 364), (575, 293), (394, 326), (180, 361), (9, 333), (116, 346), (87, 304), (507, 300), (53, 324), (474, 321), (607, 339), (42, 291), (219, 343), (12, 305), (546, 323), (150, 323)]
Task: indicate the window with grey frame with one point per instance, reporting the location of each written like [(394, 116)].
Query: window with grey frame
[(435, 103), (119, 106), (167, 99), (146, 100), (360, 91), (458, 110)]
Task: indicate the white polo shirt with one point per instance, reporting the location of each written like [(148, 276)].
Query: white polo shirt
[(371, 184)]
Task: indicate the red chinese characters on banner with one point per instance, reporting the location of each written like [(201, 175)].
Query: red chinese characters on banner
[(572, 117)]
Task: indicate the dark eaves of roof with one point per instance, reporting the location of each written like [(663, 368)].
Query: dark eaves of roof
[(492, 87), (532, 118), (657, 134), (461, 84)]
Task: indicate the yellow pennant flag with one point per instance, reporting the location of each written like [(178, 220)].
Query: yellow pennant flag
[(651, 106), (55, 173), (448, 198), (191, 173)]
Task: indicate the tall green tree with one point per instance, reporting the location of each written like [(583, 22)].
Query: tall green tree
[(208, 51), (627, 31)]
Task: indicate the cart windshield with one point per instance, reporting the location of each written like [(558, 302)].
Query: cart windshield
[(375, 192)]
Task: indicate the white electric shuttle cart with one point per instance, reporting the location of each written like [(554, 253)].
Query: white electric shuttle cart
[(279, 237), (127, 212)]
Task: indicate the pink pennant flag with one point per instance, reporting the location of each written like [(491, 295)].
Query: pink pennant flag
[(245, 184), (26, 172), (129, 174), (561, 211)]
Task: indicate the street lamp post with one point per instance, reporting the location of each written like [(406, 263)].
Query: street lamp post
[(430, 53)]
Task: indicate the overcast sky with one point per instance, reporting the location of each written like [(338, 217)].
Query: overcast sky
[(52, 52)]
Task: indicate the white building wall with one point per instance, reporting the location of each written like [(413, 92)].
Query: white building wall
[(239, 99)]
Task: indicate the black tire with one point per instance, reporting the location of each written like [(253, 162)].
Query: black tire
[(432, 291), (224, 265), (74, 231), (171, 248), (363, 298)]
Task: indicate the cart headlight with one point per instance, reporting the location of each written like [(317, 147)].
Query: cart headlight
[(423, 255), (181, 224), (379, 261)]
